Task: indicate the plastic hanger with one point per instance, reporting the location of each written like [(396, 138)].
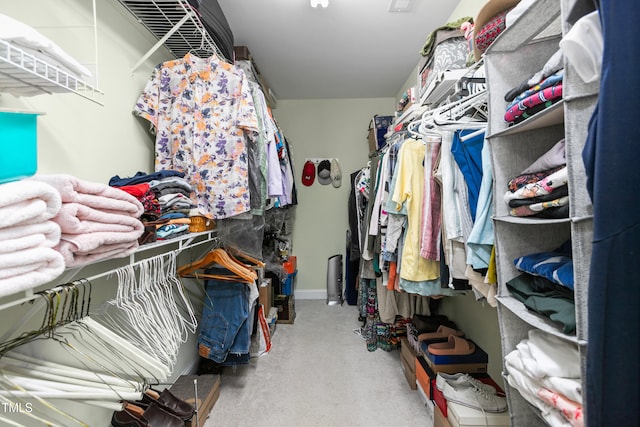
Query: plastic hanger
[(218, 257)]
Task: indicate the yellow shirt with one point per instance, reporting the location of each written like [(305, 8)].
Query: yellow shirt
[(409, 190)]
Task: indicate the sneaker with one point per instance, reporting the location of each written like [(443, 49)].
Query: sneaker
[(469, 395), (460, 379)]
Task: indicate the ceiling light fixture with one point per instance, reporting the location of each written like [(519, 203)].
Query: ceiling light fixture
[(400, 5), (319, 3)]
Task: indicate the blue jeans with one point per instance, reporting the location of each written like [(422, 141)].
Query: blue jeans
[(225, 328)]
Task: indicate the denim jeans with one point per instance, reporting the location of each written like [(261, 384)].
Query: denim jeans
[(225, 328)]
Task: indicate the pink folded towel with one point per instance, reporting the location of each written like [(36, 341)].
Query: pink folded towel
[(93, 194), (75, 218)]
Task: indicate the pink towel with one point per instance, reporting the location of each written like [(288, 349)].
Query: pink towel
[(93, 194), (80, 249), (75, 218)]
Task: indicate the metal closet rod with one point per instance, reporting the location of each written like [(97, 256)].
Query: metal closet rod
[(33, 296)]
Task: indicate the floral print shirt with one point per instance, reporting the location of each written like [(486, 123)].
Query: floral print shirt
[(202, 110)]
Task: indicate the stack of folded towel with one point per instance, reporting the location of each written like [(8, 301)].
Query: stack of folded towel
[(28, 236), (97, 221)]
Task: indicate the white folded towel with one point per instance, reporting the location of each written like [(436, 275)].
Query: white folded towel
[(29, 268), (27, 202)]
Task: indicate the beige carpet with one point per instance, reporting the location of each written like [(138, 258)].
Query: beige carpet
[(318, 373)]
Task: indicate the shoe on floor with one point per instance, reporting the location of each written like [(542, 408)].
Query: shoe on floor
[(461, 379), (474, 397)]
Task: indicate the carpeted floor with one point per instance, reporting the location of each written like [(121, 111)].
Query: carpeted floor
[(318, 373)]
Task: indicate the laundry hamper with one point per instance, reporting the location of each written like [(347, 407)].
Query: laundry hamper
[(334, 280)]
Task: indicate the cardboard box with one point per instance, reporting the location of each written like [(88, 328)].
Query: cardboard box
[(288, 285), (425, 376), (408, 362), (464, 416), (440, 419), (291, 264), (208, 393), (286, 308), (452, 364), (266, 295)]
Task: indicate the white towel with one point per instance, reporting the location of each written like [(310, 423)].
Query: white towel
[(27, 202), (29, 268), (42, 234)]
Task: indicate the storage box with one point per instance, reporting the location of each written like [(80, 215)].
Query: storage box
[(475, 362), (208, 393), (291, 264), (440, 419), (378, 128), (408, 362), (266, 295), (288, 284), (18, 141), (464, 416), (425, 376), (286, 308)]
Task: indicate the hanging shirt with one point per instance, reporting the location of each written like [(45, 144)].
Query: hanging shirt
[(201, 109), (410, 190)]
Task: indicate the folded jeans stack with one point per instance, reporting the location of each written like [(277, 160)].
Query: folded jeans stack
[(466, 390)]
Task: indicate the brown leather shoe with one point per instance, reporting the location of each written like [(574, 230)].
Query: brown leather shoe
[(144, 415), (169, 402)]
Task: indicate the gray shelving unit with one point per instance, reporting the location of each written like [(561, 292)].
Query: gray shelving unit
[(521, 50)]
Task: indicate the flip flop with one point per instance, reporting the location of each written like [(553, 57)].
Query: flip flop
[(455, 345), (442, 334)]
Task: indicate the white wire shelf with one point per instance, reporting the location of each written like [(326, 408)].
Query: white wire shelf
[(24, 73), (175, 24)]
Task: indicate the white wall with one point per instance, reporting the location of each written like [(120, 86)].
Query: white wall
[(332, 128)]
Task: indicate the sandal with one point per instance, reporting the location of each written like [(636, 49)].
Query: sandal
[(442, 334), (455, 346)]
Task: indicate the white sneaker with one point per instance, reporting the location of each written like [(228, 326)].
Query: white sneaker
[(474, 397), (461, 379)]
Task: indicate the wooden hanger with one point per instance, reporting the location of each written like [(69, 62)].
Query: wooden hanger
[(218, 257)]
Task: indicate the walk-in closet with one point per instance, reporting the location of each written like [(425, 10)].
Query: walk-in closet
[(318, 213)]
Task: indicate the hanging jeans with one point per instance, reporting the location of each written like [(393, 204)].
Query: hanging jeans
[(225, 331)]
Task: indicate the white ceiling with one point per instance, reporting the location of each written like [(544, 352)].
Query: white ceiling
[(352, 49)]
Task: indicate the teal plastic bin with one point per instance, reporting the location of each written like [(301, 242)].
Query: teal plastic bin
[(18, 142)]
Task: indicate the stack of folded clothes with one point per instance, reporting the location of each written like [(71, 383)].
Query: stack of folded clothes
[(541, 190), (546, 285), (97, 221), (546, 371), (28, 234), (166, 197), (536, 93)]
